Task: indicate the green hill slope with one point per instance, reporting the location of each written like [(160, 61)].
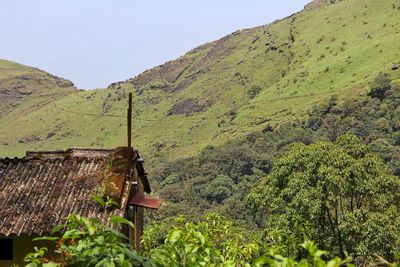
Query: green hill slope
[(223, 90), (25, 90)]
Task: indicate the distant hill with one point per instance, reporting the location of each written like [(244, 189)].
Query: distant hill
[(20, 85), (247, 81), (25, 90)]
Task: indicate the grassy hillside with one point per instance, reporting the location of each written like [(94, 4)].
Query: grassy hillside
[(223, 90), (23, 87), (25, 90)]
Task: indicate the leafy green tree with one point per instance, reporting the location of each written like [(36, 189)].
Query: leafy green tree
[(344, 192), (390, 153), (218, 189)]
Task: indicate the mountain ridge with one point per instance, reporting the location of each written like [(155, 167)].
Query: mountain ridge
[(312, 5)]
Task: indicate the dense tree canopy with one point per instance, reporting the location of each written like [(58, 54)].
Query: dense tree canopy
[(342, 190)]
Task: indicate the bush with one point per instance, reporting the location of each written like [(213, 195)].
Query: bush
[(380, 85), (254, 91), (214, 241)]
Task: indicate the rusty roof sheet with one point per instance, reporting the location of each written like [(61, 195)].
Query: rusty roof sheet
[(147, 202), (39, 191)]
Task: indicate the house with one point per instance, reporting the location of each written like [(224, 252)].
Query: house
[(38, 191)]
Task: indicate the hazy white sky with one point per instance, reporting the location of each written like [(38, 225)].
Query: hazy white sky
[(97, 42)]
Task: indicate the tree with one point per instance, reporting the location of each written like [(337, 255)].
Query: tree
[(218, 189), (342, 190), (380, 85)]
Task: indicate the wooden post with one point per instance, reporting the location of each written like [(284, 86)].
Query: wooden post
[(138, 216), (130, 121), (129, 128), (138, 219), (129, 172), (139, 222)]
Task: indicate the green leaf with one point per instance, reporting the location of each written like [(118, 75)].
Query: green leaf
[(117, 220), (51, 264), (73, 234), (99, 201), (174, 236), (49, 238), (58, 228)]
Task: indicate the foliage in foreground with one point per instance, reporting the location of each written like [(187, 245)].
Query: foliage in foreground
[(214, 241), (211, 242)]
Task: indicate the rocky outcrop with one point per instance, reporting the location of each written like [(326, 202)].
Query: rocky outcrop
[(168, 72), (187, 107), (177, 75)]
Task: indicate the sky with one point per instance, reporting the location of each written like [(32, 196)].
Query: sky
[(97, 42)]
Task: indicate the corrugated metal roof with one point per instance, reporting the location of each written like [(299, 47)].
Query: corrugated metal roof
[(39, 191)]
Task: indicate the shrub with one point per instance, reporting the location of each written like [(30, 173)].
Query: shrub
[(254, 91), (380, 85), (214, 241)]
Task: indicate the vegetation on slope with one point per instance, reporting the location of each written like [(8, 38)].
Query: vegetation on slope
[(220, 177), (228, 88)]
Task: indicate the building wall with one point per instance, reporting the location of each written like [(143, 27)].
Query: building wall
[(22, 245)]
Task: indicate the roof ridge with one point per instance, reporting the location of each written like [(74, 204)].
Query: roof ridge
[(73, 152), (92, 148)]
